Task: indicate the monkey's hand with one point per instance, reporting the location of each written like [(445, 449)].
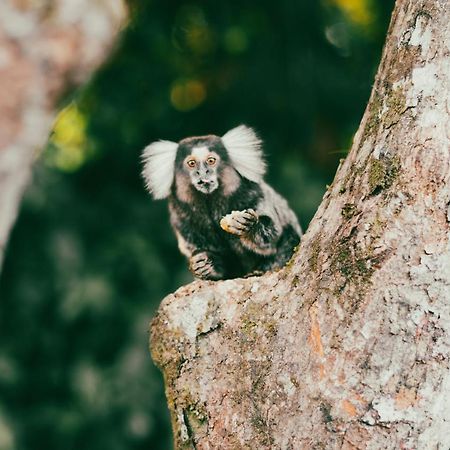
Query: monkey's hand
[(202, 266), (239, 222)]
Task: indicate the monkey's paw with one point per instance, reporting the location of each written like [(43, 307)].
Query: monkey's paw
[(239, 222), (201, 265)]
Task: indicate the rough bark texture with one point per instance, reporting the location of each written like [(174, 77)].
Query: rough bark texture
[(46, 47), (348, 346)]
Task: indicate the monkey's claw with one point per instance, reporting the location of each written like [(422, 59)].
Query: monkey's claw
[(239, 222), (202, 266)]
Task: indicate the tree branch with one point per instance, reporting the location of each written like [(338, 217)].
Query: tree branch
[(47, 48), (348, 346)]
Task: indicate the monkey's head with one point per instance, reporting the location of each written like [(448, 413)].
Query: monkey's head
[(200, 162), (203, 164)]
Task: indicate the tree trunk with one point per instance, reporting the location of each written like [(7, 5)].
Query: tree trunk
[(46, 47), (348, 346)]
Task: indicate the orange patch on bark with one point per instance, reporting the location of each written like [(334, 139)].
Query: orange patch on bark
[(349, 408), (359, 398), (405, 398), (356, 437), (315, 337), (321, 371)]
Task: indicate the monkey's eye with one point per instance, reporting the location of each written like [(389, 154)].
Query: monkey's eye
[(211, 161), (191, 163)]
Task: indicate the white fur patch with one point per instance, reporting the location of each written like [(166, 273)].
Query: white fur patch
[(244, 149), (200, 153), (159, 167)]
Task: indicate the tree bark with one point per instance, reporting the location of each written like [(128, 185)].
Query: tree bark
[(348, 346), (46, 47)]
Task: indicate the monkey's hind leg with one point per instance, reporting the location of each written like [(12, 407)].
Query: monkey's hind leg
[(206, 266)]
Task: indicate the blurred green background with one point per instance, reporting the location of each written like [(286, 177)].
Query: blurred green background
[(92, 255)]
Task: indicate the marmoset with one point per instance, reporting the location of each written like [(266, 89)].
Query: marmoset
[(229, 223)]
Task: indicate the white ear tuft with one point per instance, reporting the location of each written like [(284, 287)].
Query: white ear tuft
[(244, 149), (159, 167)]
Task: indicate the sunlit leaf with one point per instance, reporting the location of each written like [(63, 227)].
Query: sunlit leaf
[(186, 95), (69, 143), (359, 12)]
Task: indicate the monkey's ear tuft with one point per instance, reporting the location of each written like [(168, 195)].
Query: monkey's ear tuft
[(244, 148), (159, 167)]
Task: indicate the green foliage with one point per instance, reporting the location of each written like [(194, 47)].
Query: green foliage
[(91, 255)]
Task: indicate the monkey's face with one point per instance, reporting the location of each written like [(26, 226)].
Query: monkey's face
[(203, 164), (202, 167)]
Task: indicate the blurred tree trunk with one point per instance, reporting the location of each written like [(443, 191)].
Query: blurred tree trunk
[(348, 346), (46, 48)]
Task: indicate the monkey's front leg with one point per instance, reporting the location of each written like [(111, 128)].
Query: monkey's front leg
[(206, 266), (257, 233), (239, 222)]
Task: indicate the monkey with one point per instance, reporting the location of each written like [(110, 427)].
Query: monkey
[(228, 221)]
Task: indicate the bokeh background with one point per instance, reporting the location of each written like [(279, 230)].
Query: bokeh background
[(91, 255)]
